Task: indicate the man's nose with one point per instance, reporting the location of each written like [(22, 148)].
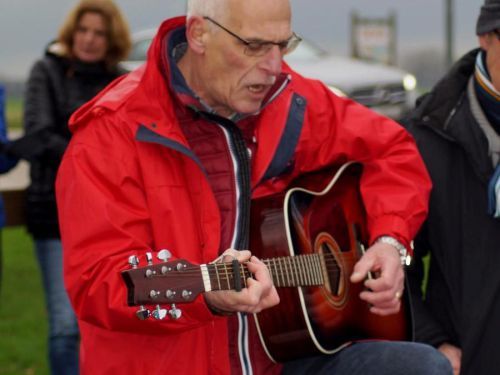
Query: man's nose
[(272, 60)]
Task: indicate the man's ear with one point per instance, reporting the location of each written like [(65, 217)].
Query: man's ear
[(196, 32), (485, 41)]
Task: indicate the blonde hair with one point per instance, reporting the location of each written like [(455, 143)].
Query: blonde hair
[(118, 34)]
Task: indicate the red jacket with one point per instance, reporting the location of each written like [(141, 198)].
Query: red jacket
[(129, 183)]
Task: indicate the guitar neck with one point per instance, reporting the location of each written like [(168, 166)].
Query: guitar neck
[(301, 270)]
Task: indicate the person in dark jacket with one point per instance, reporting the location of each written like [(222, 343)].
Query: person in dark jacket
[(81, 62), (457, 128)]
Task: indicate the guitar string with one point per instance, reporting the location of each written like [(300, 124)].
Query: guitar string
[(293, 265)]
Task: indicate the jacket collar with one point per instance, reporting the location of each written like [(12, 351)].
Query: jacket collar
[(447, 110), (437, 107)]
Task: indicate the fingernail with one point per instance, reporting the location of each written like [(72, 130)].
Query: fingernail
[(356, 275)]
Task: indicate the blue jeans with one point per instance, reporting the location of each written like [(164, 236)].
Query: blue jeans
[(375, 358), (63, 328)]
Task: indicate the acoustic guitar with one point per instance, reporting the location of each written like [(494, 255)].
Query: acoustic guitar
[(310, 237)]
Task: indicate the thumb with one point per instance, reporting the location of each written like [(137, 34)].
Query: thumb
[(361, 268)]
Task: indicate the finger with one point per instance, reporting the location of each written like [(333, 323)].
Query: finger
[(241, 255), (259, 270), (268, 297), (383, 284), (361, 268), (385, 311), (381, 300), (387, 280)]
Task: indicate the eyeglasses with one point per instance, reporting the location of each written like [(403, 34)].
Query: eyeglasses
[(261, 47)]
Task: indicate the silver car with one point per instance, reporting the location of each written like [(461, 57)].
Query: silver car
[(385, 89)]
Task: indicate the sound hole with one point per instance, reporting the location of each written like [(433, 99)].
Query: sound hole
[(335, 286)]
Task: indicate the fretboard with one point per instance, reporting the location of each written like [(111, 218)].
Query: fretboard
[(293, 271)]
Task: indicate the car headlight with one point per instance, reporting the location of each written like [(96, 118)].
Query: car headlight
[(409, 82), (337, 91)]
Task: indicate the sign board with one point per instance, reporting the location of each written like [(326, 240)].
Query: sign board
[(374, 39)]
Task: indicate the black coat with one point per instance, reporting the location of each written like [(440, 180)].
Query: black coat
[(462, 303), (56, 87)]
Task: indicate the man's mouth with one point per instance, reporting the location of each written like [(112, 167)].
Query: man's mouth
[(257, 89)]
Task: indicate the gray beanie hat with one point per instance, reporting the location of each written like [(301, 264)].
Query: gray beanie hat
[(489, 18)]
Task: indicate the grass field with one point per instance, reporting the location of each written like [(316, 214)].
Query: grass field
[(23, 320), (14, 113)]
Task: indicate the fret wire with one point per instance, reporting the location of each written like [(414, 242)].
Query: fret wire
[(304, 270), (312, 263), (241, 275), (296, 273), (227, 276), (289, 273), (276, 273), (218, 278), (308, 270), (244, 268), (269, 264), (282, 273), (298, 268), (296, 262), (317, 269), (314, 274), (307, 276)]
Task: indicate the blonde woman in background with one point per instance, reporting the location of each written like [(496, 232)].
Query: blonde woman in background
[(82, 61)]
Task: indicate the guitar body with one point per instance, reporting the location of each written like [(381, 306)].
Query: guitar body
[(322, 215)]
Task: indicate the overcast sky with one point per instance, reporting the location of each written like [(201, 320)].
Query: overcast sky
[(27, 25)]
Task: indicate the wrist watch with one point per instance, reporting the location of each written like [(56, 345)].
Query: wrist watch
[(402, 250)]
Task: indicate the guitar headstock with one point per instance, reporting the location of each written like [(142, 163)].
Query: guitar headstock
[(172, 282)]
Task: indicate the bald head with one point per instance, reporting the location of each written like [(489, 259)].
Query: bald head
[(208, 8), (220, 9)]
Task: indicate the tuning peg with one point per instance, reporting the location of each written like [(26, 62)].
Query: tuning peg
[(133, 261), (143, 313), (164, 255), (149, 258), (159, 313), (174, 312)]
